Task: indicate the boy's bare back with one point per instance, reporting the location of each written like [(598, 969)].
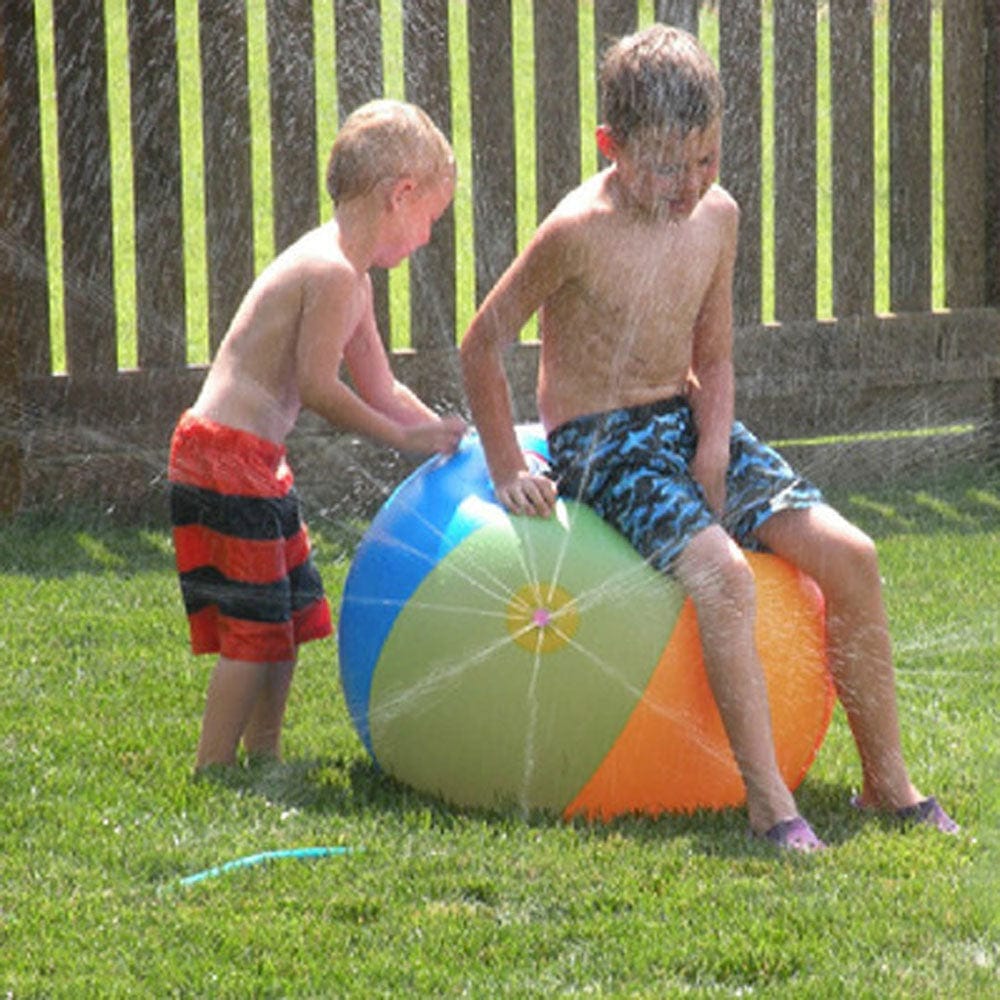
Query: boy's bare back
[(309, 301), (391, 175)]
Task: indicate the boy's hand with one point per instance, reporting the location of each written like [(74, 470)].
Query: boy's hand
[(712, 478), (528, 493), (433, 436)]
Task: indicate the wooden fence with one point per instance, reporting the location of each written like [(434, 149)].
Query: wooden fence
[(98, 433)]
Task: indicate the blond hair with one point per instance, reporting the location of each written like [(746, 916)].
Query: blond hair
[(385, 140), (660, 78)]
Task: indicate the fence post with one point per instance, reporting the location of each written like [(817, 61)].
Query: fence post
[(740, 66), (428, 84), (358, 26), (613, 19), (228, 182), (794, 159), (10, 371), (24, 303), (85, 179), (290, 47), (557, 102), (909, 155), (679, 13), (156, 170), (851, 62), (493, 168), (991, 102)]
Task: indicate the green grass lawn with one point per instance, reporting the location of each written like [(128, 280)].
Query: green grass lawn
[(101, 818)]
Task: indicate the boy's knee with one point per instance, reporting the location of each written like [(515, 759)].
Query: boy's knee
[(857, 553), (714, 571), (850, 564)]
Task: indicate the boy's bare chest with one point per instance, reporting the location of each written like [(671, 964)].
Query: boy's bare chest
[(646, 286)]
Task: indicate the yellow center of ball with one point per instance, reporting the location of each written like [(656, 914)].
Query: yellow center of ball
[(542, 617)]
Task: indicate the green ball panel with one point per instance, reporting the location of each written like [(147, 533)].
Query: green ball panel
[(460, 709)]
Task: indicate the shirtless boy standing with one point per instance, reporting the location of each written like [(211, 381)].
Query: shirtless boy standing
[(250, 588), (631, 275)]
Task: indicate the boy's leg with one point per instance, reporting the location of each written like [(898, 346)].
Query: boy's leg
[(262, 737), (843, 561), (233, 692), (715, 574)]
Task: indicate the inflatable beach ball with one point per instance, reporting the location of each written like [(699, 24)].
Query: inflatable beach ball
[(499, 661)]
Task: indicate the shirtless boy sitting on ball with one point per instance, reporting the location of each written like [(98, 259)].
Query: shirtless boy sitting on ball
[(631, 275)]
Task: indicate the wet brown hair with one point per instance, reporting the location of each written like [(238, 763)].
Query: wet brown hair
[(660, 78), (385, 140)]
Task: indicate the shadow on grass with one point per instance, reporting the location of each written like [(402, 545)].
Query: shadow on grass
[(57, 544), (726, 833), (335, 786), (356, 787), (49, 544), (959, 501)]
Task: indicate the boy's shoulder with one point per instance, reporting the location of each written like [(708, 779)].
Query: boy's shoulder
[(720, 202), (318, 247), (579, 217), (718, 215), (315, 256), (589, 200), (590, 213)]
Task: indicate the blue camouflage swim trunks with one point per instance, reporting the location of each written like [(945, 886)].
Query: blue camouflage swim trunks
[(632, 466)]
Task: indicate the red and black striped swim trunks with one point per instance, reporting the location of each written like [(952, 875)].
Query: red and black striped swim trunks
[(251, 589)]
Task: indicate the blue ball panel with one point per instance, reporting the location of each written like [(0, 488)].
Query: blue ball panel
[(431, 512)]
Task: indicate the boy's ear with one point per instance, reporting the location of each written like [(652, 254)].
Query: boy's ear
[(606, 143), (400, 190)]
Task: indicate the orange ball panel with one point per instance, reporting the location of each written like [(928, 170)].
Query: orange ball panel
[(673, 754)]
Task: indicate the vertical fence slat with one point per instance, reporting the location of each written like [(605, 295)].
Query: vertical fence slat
[(156, 172), (359, 80), (613, 19), (493, 168), (228, 178), (965, 153), (851, 104), (85, 175), (24, 300), (991, 102), (909, 155), (794, 159), (740, 67), (557, 102), (679, 13), (293, 119), (428, 83), (23, 296)]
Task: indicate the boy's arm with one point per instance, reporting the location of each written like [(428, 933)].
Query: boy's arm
[(381, 409), (712, 396), (368, 365), (422, 430), (519, 293)]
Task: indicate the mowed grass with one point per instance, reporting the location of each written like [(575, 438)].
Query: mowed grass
[(101, 818)]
